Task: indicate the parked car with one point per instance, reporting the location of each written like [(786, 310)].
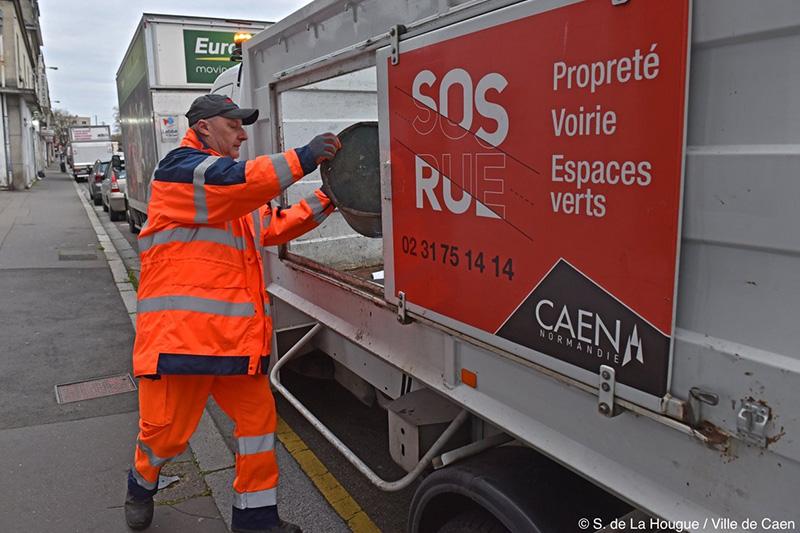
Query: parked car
[(95, 179), (113, 194)]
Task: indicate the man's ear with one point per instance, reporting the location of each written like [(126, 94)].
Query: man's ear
[(201, 127)]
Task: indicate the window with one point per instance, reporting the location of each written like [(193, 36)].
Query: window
[(331, 105)]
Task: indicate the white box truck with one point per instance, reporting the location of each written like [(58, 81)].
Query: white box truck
[(87, 145), (586, 250), (170, 61)]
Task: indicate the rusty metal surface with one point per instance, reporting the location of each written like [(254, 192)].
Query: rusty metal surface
[(94, 388)]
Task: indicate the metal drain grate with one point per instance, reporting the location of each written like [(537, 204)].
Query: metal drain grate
[(94, 388)]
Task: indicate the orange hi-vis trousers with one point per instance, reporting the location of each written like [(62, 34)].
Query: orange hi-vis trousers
[(171, 407)]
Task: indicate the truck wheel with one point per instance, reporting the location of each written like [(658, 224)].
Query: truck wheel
[(132, 221), (476, 520), (512, 488), (98, 200)]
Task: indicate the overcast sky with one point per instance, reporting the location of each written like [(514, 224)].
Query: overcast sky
[(86, 40)]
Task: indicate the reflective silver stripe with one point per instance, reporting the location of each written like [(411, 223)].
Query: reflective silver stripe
[(193, 303), (142, 482), (266, 309), (218, 236), (257, 228), (154, 459), (267, 220), (251, 445), (317, 210), (199, 181), (282, 169), (249, 500)]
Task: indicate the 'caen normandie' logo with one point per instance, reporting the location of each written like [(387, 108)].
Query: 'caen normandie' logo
[(207, 54), (570, 317)]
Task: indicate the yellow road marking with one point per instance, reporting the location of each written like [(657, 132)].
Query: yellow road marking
[(341, 501)]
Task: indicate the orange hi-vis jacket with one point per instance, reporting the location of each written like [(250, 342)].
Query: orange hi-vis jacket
[(202, 304)]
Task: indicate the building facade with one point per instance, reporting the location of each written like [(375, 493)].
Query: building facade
[(26, 142)]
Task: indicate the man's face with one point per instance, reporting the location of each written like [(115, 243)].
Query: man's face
[(223, 135)]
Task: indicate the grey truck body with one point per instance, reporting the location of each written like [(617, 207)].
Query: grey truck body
[(684, 456)]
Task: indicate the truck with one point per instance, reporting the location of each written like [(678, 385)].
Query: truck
[(88, 144), (582, 306), (170, 61)]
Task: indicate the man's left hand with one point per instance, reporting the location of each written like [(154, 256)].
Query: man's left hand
[(324, 147)]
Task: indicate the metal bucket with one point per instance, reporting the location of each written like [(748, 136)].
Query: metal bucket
[(352, 179)]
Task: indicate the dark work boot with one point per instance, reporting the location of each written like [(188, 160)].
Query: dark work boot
[(138, 513), (282, 527), (258, 520)]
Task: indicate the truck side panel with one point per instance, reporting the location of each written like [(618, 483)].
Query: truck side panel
[(738, 290), (135, 112), (169, 108), (161, 74)]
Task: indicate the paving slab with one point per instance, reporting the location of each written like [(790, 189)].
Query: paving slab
[(60, 326), (299, 501), (220, 483), (209, 447), (36, 224), (70, 476)]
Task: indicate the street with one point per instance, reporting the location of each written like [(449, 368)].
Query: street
[(462, 266)]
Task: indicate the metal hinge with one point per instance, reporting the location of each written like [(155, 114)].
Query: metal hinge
[(605, 392), (751, 422), (698, 397), (394, 34), (402, 314)]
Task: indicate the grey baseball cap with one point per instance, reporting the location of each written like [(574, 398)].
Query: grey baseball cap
[(218, 105)]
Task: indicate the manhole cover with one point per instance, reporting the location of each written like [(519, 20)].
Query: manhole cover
[(77, 255), (94, 388)]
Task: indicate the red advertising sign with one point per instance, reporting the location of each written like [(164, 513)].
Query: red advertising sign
[(536, 181)]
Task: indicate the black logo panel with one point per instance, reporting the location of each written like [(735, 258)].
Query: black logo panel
[(569, 317)]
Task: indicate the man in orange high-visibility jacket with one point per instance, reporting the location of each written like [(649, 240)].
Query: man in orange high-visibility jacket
[(203, 324)]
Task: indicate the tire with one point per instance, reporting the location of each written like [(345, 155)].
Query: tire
[(476, 520), (98, 200), (116, 215), (132, 222)]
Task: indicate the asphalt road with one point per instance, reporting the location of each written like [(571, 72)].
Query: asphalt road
[(364, 429)]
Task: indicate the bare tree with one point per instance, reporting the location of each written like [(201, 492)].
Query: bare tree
[(62, 120)]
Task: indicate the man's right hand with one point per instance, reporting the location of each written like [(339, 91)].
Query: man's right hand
[(324, 147)]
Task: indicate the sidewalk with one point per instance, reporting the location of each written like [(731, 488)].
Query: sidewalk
[(67, 310), (64, 466)]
